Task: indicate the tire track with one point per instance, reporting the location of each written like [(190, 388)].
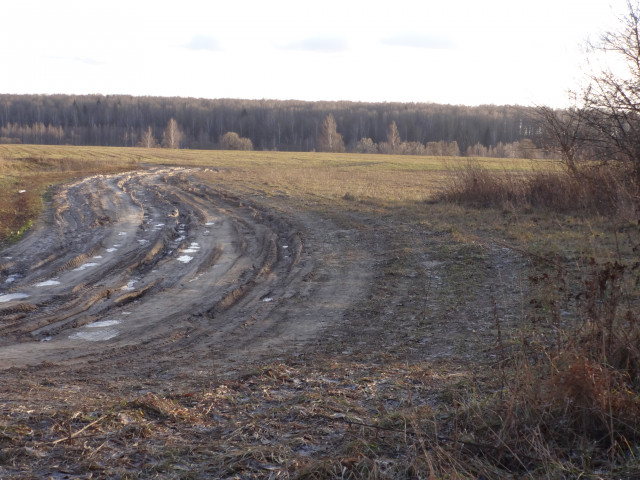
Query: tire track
[(135, 267)]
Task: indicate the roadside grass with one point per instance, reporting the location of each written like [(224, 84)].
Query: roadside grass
[(26, 175), (542, 383)]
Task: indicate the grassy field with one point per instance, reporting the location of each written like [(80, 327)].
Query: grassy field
[(379, 178), (538, 306)]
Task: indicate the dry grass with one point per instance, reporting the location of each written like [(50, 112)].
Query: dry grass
[(546, 387), (26, 174)]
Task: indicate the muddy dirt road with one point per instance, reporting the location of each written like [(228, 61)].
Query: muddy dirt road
[(158, 266)]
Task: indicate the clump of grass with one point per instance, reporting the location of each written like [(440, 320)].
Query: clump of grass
[(592, 190), (568, 399)]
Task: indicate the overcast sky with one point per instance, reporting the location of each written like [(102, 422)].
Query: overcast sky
[(446, 51)]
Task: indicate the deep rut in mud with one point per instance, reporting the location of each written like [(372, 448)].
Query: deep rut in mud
[(160, 266)]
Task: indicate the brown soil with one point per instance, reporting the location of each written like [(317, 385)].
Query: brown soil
[(165, 280), (159, 268)]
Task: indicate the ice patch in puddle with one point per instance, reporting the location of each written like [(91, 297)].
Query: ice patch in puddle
[(122, 234), (190, 250), (85, 266), (129, 286), (185, 258), (126, 313), (97, 257), (267, 299), (208, 224), (47, 283), (111, 250), (103, 323), (12, 296), (11, 278), (143, 241), (95, 336)]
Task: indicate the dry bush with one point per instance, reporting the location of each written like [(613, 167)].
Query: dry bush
[(593, 190), (570, 383), (575, 398)]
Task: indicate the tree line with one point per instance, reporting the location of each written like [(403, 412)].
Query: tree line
[(122, 120)]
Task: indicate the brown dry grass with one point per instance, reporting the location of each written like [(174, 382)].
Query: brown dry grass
[(542, 393)]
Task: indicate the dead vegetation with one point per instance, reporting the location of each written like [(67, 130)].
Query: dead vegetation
[(499, 339)]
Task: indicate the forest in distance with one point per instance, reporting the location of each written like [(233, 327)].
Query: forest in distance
[(283, 125)]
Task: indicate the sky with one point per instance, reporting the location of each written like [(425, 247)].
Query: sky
[(466, 52)]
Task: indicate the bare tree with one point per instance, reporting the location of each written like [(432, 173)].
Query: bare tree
[(611, 103), (148, 140), (563, 132), (172, 135), (329, 140), (394, 143)]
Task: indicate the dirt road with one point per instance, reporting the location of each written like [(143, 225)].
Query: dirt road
[(160, 267)]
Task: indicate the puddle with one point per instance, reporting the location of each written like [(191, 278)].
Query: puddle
[(111, 250), (12, 278), (47, 283), (190, 250), (46, 339), (12, 296), (129, 286), (143, 242), (95, 336), (122, 234), (208, 224), (126, 313), (85, 266), (103, 323), (185, 258), (97, 257)]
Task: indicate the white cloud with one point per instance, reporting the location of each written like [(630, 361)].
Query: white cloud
[(203, 42), (419, 40), (320, 43)]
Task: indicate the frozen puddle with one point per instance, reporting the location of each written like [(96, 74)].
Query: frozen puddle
[(85, 266), (12, 278), (209, 224), (47, 283), (185, 258), (95, 336), (193, 248), (122, 234), (12, 296), (103, 323), (111, 250)]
